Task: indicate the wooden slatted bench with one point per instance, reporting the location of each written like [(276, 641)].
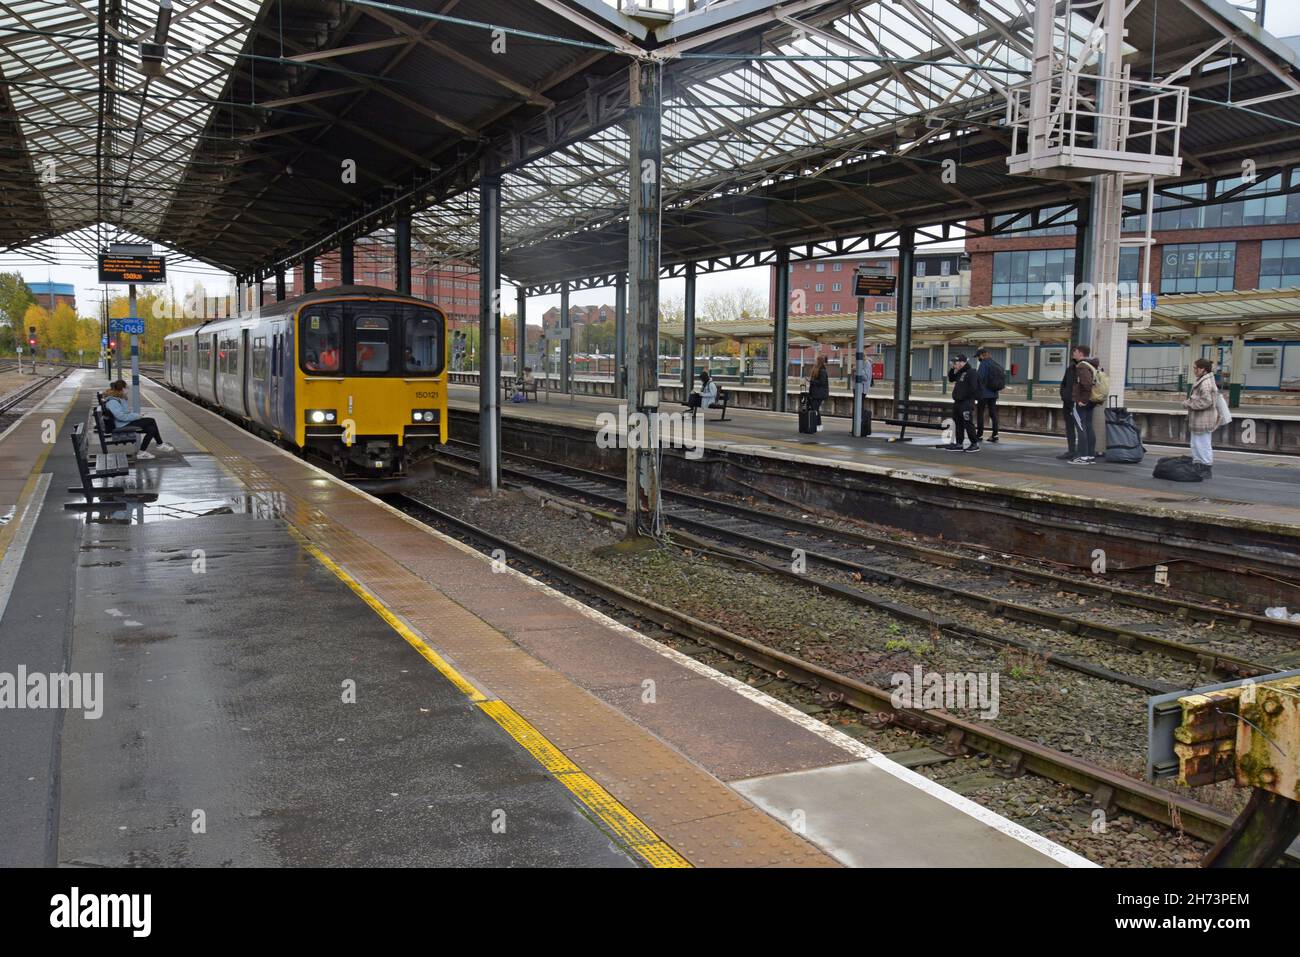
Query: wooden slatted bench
[(107, 432)]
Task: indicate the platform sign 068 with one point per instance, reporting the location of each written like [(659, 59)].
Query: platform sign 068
[(132, 269)]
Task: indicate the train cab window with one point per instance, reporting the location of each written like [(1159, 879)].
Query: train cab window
[(321, 343), (423, 350), (371, 339)]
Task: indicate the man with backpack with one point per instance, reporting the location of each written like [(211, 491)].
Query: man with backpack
[(1090, 390), (992, 379)]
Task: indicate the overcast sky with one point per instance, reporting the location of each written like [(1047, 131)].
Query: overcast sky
[(1283, 20)]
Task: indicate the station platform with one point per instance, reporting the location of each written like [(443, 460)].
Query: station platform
[(1248, 489), (294, 673)]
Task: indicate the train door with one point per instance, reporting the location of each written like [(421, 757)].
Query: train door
[(214, 354), (277, 373), (245, 364)]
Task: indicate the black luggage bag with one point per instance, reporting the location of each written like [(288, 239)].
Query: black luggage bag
[(1178, 468), (807, 417), (1123, 438)]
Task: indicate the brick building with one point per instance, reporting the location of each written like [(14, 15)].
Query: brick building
[(825, 286), (51, 295), (455, 289), (1247, 243), (579, 318)]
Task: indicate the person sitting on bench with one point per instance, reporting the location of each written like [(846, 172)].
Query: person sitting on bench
[(116, 402), (706, 397)]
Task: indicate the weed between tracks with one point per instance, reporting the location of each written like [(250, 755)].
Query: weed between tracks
[(1093, 719)]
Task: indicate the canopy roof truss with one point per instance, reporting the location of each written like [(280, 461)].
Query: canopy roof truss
[(822, 126)]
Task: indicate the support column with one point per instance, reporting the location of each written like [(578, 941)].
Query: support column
[(688, 335), (620, 337), (279, 284), (566, 340), (903, 323), (346, 274), (261, 290), (131, 314), (402, 252), (1081, 320), (489, 324), (521, 330), (781, 333), (645, 162), (1237, 381), (308, 273)]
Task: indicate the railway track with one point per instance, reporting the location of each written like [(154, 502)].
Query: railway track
[(15, 398), (952, 735), (848, 557)]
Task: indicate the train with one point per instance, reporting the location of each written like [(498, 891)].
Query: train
[(355, 375)]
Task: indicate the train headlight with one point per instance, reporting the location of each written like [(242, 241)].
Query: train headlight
[(424, 415), (321, 416)]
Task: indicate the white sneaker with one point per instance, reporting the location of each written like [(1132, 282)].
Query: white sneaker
[(144, 455), (164, 447)]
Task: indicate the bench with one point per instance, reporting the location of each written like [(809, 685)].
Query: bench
[(106, 428), (911, 414), (109, 435), (719, 403), (92, 492)]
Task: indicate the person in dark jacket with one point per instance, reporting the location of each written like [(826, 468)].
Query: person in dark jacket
[(988, 397), (1067, 407), (965, 390), (819, 389), (1085, 374)]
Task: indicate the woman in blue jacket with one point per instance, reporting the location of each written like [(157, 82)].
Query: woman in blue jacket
[(116, 401)]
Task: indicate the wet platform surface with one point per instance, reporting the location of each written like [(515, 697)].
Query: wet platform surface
[(1246, 486), (494, 722)]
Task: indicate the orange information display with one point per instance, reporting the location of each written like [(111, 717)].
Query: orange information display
[(865, 285), (128, 269)]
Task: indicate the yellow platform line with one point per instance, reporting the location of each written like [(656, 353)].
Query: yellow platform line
[(8, 532), (626, 826)]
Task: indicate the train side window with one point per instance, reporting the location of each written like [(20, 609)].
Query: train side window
[(423, 352), (372, 344), (275, 355), (321, 345)]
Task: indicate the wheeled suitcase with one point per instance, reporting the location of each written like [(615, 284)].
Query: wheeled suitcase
[(807, 417)]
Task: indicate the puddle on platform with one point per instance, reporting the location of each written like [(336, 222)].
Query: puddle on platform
[(180, 507)]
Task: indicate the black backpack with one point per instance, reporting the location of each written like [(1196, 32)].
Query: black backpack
[(997, 377)]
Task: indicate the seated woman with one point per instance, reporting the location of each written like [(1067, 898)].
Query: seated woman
[(118, 406), (707, 396)]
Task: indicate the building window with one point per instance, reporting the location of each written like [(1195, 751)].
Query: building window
[(821, 267), (838, 267), (1279, 263), (880, 307), (945, 268), (835, 307), (819, 307), (837, 287), (820, 287), (1197, 267), (1024, 275), (920, 267)]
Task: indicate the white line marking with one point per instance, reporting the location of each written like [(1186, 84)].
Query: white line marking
[(1043, 845), (13, 560)]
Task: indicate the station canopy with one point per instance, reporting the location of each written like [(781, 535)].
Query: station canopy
[(822, 127), (1261, 313)]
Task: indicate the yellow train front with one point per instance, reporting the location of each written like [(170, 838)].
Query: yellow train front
[(354, 374)]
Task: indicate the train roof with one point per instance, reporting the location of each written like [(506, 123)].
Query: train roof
[(292, 305)]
